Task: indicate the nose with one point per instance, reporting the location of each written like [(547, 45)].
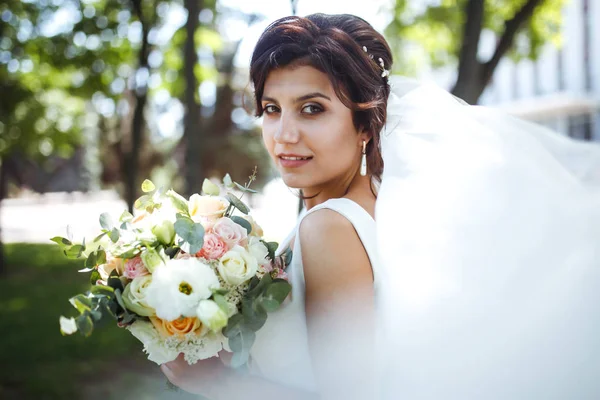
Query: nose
[(287, 130)]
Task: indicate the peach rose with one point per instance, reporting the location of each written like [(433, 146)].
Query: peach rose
[(112, 263), (256, 229), (180, 326), (214, 247), (206, 209), (230, 232)]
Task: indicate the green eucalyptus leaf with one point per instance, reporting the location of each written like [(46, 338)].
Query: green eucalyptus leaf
[(244, 188), (148, 186), (81, 302), (237, 203), (106, 221), (85, 325), (227, 181), (126, 216), (103, 290), (234, 325), (100, 236), (178, 202), (242, 222), (94, 277), (75, 251), (143, 202), (100, 257), (61, 241), (277, 291), (210, 188), (264, 283), (115, 283), (114, 235), (191, 232), (272, 248), (91, 261)]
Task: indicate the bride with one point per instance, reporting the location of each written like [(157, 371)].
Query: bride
[(446, 251)]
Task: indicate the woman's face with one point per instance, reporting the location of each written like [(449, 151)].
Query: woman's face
[(307, 130)]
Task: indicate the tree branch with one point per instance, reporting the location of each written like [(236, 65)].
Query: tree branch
[(511, 27)]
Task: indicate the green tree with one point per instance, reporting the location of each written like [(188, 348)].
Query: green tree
[(449, 32)]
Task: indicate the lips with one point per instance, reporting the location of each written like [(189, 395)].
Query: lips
[(293, 160)]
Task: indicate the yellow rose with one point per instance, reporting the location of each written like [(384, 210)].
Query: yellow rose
[(180, 326), (206, 209)]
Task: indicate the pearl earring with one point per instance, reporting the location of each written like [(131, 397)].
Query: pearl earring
[(363, 164)]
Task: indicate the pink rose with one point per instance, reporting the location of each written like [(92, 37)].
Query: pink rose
[(230, 232), (281, 274), (134, 268), (214, 247)]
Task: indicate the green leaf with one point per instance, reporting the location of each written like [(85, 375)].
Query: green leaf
[(220, 291), (191, 232), (100, 236), (244, 188), (61, 241), (81, 302), (125, 217), (75, 251), (242, 222), (234, 325), (277, 291), (103, 290), (178, 202), (255, 315), (221, 302), (115, 283), (171, 252), (85, 325), (106, 222), (265, 282), (119, 297), (114, 235), (94, 277), (227, 181), (210, 188), (241, 345), (287, 257), (91, 261), (143, 202), (272, 248), (237, 203), (148, 186), (100, 257)]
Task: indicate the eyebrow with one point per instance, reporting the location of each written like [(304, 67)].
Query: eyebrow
[(301, 98)]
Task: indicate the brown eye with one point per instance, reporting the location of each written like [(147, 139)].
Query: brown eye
[(270, 109), (312, 109)]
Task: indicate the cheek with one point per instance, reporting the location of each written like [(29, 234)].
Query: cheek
[(267, 137)]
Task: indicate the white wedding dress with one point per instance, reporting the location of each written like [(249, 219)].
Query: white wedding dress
[(486, 258), (281, 351)]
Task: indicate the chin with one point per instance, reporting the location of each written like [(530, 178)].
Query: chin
[(296, 181)]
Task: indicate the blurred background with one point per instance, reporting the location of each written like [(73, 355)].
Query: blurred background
[(97, 95)]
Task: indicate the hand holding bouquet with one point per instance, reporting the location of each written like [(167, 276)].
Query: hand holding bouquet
[(183, 276)]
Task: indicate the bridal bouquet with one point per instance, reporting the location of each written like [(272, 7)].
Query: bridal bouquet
[(183, 276)]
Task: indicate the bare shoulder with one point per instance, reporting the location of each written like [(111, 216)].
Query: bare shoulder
[(330, 246)]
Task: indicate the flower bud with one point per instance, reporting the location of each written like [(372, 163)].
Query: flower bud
[(164, 232), (211, 315)]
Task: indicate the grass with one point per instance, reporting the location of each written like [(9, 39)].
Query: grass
[(37, 362)]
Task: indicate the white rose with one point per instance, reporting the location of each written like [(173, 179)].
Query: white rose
[(135, 296), (146, 333), (211, 315), (258, 250), (237, 266)]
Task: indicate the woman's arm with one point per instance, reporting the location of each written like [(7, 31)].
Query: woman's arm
[(212, 379), (339, 306)]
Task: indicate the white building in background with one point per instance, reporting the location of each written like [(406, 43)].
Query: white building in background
[(561, 89)]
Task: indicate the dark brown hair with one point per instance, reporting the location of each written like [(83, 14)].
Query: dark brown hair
[(333, 44)]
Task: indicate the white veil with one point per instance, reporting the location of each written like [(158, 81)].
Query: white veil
[(489, 232)]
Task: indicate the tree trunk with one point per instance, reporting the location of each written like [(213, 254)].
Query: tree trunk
[(3, 194), (132, 153), (192, 132)]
